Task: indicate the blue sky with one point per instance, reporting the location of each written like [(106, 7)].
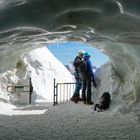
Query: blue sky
[(66, 52)]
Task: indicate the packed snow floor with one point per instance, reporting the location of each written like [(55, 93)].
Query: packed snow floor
[(68, 121)]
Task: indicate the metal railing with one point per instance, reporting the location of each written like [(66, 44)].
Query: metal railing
[(62, 92), (21, 88)]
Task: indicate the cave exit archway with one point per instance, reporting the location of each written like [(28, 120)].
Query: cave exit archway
[(67, 51)]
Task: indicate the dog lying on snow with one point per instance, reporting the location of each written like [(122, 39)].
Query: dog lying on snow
[(104, 102)]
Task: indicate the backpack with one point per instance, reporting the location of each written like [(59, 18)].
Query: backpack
[(104, 101)]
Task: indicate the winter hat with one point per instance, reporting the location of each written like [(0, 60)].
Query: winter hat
[(81, 52), (87, 54)]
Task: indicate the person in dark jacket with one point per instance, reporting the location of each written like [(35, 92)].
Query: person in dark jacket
[(78, 77), (88, 78)]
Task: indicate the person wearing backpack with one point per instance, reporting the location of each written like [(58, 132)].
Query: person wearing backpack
[(88, 78), (78, 76)]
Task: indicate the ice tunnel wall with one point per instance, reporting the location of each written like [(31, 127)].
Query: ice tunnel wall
[(50, 14)]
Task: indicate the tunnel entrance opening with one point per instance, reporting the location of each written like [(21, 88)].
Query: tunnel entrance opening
[(66, 52)]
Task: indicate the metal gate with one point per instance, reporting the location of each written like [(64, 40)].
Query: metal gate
[(21, 88), (63, 92)]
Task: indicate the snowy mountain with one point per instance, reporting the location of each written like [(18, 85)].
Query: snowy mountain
[(42, 67)]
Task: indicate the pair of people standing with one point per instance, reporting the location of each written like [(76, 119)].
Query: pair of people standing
[(84, 77)]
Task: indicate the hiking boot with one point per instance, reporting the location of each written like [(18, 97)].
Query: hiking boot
[(80, 99), (74, 99), (90, 103)]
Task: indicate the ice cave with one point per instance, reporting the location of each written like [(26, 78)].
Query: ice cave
[(112, 26)]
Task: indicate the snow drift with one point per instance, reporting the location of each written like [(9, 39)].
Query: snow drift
[(42, 67)]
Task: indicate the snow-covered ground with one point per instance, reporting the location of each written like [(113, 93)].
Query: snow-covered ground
[(69, 121)]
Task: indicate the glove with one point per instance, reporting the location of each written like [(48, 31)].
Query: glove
[(94, 84)]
